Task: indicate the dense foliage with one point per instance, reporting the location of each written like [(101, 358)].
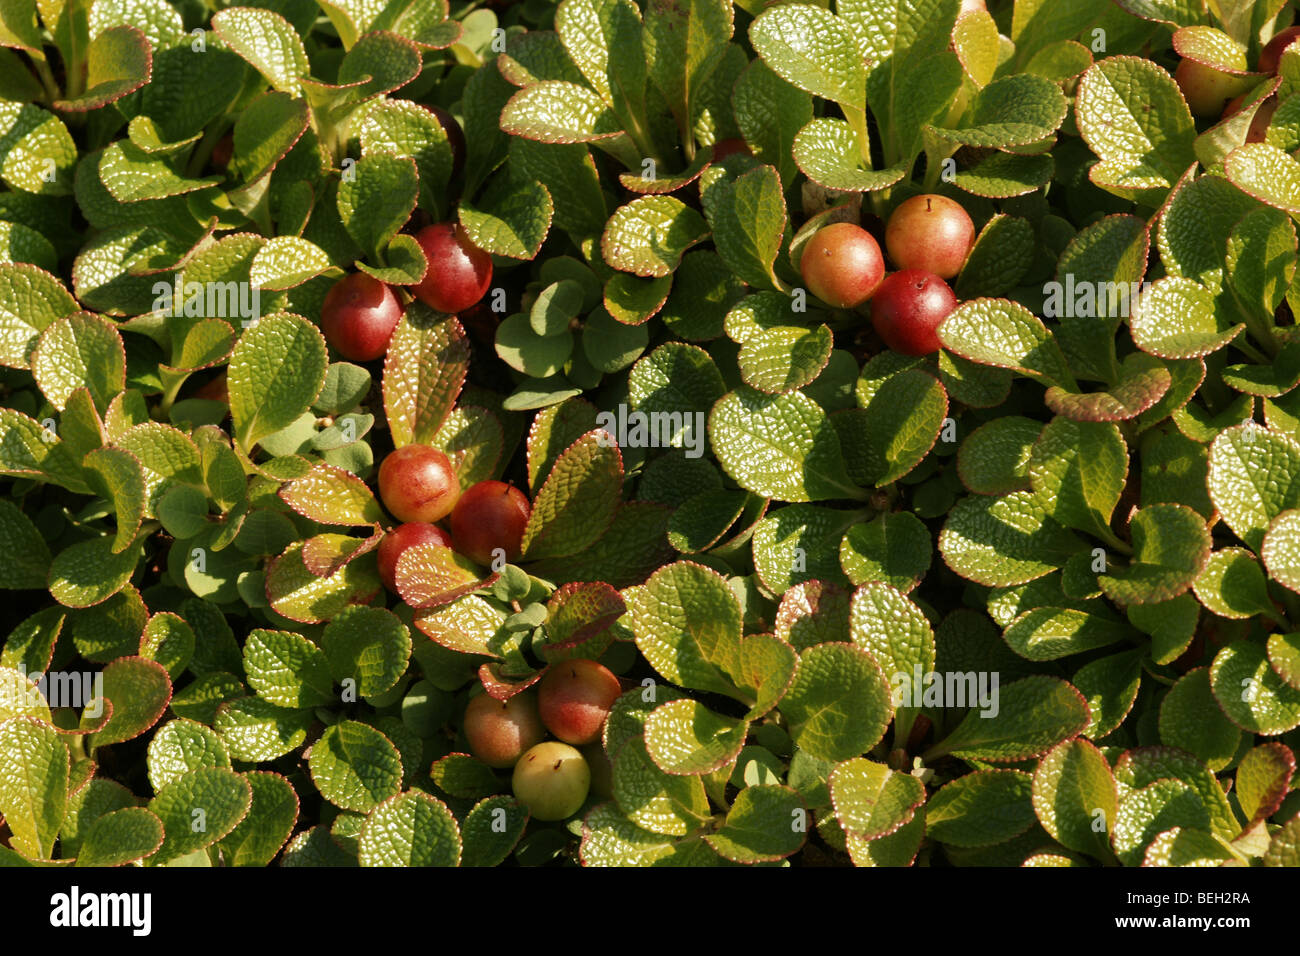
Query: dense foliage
[(1026, 596)]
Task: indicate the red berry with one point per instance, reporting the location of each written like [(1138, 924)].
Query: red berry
[(842, 265), (932, 233), (1271, 55), (500, 731), (459, 272), (418, 484), (404, 536), (574, 698), (730, 147), (908, 308), (490, 515), (223, 151), (358, 317)]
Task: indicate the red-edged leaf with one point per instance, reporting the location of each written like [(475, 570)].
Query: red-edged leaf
[(501, 687), (428, 356), (430, 575)]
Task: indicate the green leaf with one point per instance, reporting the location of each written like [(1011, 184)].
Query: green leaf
[(261, 834), (748, 219), (770, 112), (412, 829), (1176, 319), (403, 128), (511, 217), (89, 573), (688, 625), (168, 640), (267, 131), (981, 808), (1192, 720), (1033, 715), (267, 41), (557, 111), (1181, 846), (1073, 793), (200, 809), (780, 446), (121, 837), (609, 345), (377, 199), (684, 41), (784, 358), (276, 371), (29, 556), (286, 262), (675, 377), (1144, 765), (491, 830), (577, 502), (872, 801), (831, 153), (423, 373), (893, 548), (1144, 814), (368, 645), (1284, 657), (648, 235), (1254, 476), (180, 747), (300, 594), (1004, 541), (1263, 780), (79, 350), (685, 737), (1251, 693), (1081, 468), (1232, 585), (897, 427), (1004, 334), (568, 173), (1170, 547), (1266, 173), (610, 839), (1133, 116), (839, 704), (34, 766), (463, 776), (30, 140), (287, 670), (998, 260), (994, 458), (657, 801), (1261, 262), (30, 301), (894, 631), (799, 543), (767, 822), (254, 730), (332, 496), (814, 50), (1050, 633), (20, 243), (1013, 110), (355, 767), (138, 691), (1005, 175)]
